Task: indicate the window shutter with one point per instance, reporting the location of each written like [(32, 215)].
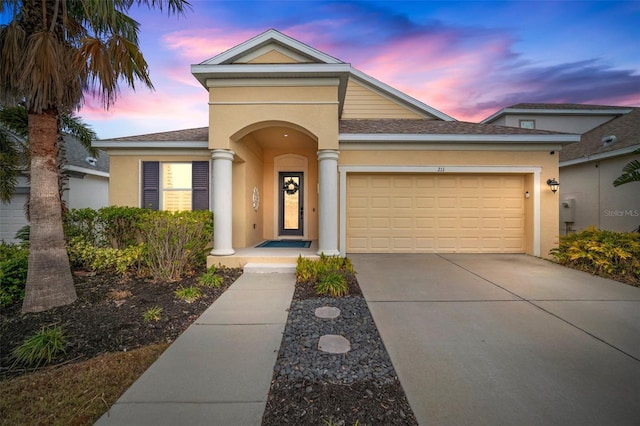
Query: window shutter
[(151, 185), (200, 185)]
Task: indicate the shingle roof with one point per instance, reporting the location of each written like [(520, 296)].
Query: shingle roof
[(436, 127), (565, 106), (76, 155), (192, 135), (625, 128)]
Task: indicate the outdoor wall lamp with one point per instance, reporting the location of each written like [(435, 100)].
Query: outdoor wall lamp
[(553, 184)]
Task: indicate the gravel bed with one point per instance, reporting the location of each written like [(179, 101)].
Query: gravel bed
[(300, 360)]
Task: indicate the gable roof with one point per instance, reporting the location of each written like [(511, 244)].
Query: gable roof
[(592, 146), (313, 63), (271, 37), (558, 109), (356, 130), (76, 156), (404, 130), (186, 138)]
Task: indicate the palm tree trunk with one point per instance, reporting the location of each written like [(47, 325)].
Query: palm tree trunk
[(49, 279)]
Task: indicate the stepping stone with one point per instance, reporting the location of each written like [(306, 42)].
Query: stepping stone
[(334, 344), (328, 312)]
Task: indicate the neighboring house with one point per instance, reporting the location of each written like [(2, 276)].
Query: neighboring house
[(303, 145), (88, 186), (610, 135)]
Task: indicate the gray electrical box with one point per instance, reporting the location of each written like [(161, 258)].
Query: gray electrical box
[(567, 210)]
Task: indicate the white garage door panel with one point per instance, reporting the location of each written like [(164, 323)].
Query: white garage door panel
[(12, 217), (435, 213)]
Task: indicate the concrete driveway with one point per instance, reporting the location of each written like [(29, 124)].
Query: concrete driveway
[(506, 339)]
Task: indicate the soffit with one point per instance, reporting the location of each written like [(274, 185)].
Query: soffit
[(274, 137)]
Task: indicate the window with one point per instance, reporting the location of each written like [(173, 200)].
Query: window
[(175, 186), (527, 124)]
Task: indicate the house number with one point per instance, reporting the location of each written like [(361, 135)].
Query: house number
[(440, 169)]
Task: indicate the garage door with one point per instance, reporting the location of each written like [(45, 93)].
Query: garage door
[(432, 213)]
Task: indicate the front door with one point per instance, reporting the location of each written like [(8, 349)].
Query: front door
[(291, 206)]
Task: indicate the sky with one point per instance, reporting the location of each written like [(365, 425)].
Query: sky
[(467, 59)]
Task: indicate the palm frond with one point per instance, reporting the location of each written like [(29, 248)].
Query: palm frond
[(15, 118), (178, 7), (47, 74), (74, 126), (633, 176), (632, 166), (630, 172), (9, 166), (12, 47)]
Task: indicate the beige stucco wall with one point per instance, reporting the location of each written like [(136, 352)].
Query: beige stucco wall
[(547, 163), (234, 109), (125, 170), (247, 174), (597, 202)]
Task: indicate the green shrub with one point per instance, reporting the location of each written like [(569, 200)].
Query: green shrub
[(84, 254), (332, 283), (116, 227), (328, 275), (14, 261), (305, 269), (175, 242), (188, 294), (210, 278), (41, 348), (122, 225), (84, 224), (166, 245), (152, 314), (605, 253)]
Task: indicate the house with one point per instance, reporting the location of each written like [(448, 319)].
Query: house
[(88, 186), (609, 137), (303, 145)]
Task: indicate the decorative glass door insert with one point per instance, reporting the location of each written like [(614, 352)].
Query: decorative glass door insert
[(291, 209)]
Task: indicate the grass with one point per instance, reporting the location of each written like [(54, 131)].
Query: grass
[(210, 278), (152, 314), (188, 294), (41, 347), (75, 394)]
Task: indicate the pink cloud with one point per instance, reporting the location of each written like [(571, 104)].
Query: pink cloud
[(147, 112), (198, 45)]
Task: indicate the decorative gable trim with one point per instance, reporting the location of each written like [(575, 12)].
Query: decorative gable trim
[(273, 50), (269, 37)]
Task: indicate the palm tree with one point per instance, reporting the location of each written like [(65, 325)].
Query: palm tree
[(630, 173), (51, 52)]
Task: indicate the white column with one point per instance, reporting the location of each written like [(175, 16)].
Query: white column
[(328, 202), (222, 202)]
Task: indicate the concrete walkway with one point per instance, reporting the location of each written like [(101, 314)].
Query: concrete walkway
[(218, 372), (506, 339)]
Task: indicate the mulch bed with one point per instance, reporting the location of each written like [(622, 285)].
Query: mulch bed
[(330, 402), (108, 317)]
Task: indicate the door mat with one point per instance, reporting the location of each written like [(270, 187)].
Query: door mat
[(285, 244)]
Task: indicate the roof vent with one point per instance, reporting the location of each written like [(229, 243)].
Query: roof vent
[(91, 161), (609, 140)]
